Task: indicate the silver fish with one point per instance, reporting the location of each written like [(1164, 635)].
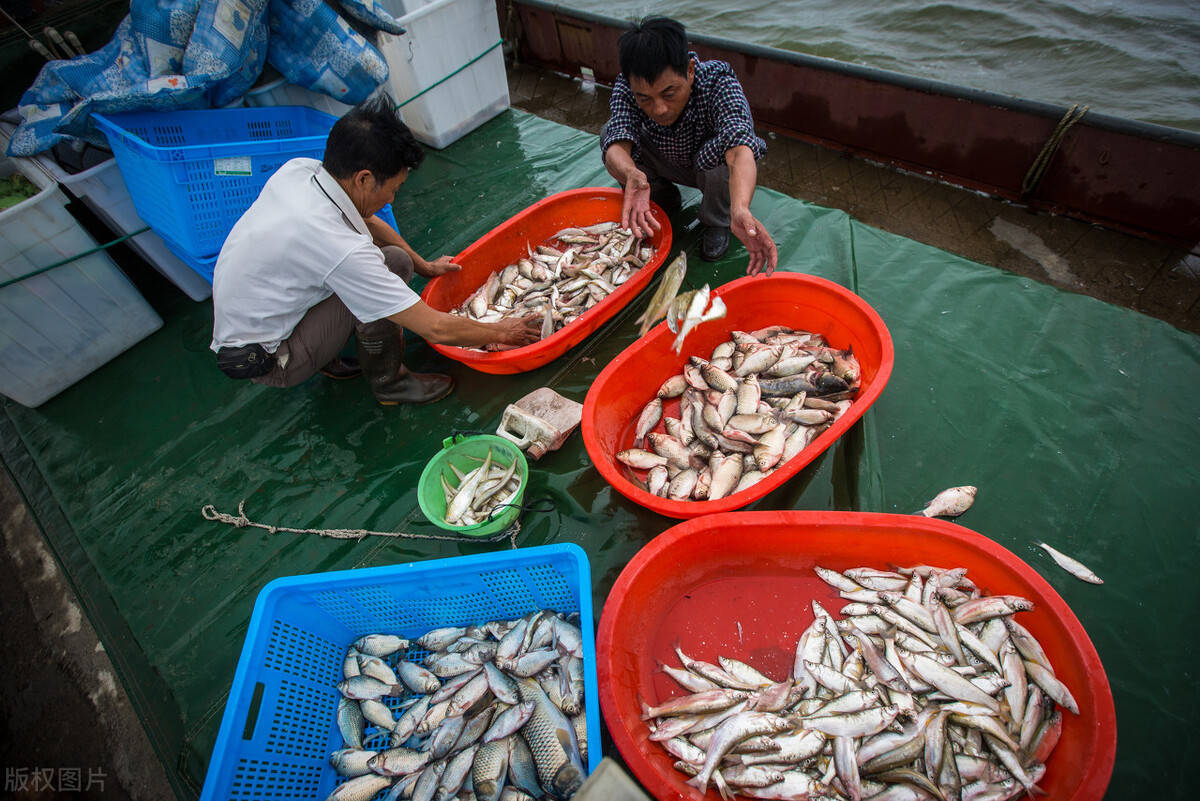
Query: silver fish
[(351, 762), (417, 678), (950, 502), (351, 722), (508, 721), (1072, 566), (380, 644), (398, 762), (359, 789)]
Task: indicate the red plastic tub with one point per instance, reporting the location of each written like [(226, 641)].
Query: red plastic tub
[(506, 243), (740, 585), (627, 384)]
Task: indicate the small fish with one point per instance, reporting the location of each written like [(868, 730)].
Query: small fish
[(1075, 568), (641, 459), (360, 789), (664, 295), (648, 419), (351, 762), (361, 688), (950, 502), (351, 722), (380, 644), (508, 722)]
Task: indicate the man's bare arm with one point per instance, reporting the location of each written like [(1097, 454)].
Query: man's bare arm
[(635, 211), (440, 328), (743, 177)]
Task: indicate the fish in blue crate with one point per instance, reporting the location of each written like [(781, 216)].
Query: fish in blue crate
[(490, 711)]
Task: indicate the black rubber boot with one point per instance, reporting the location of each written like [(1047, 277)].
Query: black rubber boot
[(381, 352), (714, 241), (341, 368)]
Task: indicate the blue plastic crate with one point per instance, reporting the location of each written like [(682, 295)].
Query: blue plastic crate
[(204, 265), (279, 725), (192, 174)]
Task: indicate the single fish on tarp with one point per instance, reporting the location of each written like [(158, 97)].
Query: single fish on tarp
[(1072, 566)]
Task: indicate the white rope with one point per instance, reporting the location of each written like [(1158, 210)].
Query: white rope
[(241, 521)]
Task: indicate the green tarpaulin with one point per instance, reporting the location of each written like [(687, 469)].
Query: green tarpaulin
[(1074, 418)]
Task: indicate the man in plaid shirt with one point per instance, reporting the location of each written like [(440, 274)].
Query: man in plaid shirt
[(676, 119)]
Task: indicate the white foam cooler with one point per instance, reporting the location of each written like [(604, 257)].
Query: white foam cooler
[(439, 98)]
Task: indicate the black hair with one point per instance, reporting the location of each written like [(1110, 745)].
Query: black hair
[(651, 46), (371, 136)]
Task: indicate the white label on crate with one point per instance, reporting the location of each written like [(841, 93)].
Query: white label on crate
[(236, 165)]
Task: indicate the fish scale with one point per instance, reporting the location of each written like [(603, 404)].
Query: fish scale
[(552, 742)]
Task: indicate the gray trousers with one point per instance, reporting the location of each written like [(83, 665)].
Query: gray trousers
[(713, 184), (324, 330)]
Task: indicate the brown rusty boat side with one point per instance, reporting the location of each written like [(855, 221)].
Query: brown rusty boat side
[(1133, 176)]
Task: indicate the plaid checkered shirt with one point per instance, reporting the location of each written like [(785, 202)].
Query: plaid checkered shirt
[(715, 119)]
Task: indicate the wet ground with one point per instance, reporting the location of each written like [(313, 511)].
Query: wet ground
[(69, 731)]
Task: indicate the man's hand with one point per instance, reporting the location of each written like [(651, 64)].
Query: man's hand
[(635, 211), (439, 266), (518, 331), (759, 244)]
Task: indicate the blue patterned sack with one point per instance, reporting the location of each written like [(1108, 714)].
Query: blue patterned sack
[(178, 54)]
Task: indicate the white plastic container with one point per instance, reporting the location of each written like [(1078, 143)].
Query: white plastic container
[(440, 97), (103, 190), (58, 326), (281, 93), (540, 422)]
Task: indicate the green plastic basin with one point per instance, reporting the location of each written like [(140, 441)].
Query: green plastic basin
[(463, 451)]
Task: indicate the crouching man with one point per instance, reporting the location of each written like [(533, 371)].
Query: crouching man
[(309, 263), (678, 120)]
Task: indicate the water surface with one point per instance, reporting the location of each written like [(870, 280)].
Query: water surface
[(1130, 58)]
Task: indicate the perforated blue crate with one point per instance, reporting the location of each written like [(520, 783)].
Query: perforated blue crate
[(191, 174), (280, 726), (204, 265)]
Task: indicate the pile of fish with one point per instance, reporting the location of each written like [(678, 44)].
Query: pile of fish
[(562, 280), (757, 401), (926, 688), (494, 711), (479, 492)]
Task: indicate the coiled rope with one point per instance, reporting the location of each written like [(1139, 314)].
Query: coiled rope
[(1033, 176)]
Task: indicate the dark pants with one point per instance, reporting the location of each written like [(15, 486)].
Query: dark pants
[(324, 330), (713, 184)]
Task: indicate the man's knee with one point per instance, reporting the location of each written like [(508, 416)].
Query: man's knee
[(398, 261)]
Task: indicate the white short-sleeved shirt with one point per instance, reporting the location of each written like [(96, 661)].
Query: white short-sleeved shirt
[(300, 242)]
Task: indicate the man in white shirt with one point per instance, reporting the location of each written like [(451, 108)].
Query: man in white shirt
[(309, 263)]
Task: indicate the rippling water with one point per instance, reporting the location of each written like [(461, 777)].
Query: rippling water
[(1130, 58)]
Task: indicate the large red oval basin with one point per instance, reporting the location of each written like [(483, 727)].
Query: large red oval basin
[(806, 302), (740, 584), (505, 243)]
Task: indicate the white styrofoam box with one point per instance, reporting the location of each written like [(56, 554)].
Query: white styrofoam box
[(281, 93), (58, 326), (103, 190), (442, 37)]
